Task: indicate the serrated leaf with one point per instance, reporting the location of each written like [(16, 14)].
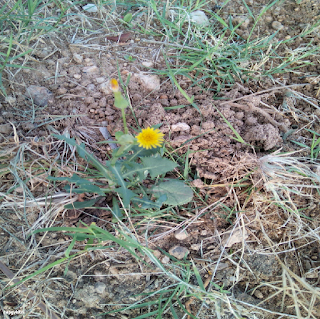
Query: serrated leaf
[(178, 193), (158, 165)]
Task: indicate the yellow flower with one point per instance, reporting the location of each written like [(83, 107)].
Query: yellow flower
[(150, 137), (114, 85)]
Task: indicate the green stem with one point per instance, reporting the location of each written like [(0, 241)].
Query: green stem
[(124, 121)]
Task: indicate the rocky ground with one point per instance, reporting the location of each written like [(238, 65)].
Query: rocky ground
[(66, 91)]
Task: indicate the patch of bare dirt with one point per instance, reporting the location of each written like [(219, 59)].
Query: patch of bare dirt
[(75, 83)]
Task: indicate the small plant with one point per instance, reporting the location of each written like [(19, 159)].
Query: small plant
[(132, 162), (314, 147)]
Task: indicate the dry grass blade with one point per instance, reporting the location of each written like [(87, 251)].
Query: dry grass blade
[(30, 295)]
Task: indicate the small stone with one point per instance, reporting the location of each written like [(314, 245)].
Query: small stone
[(125, 72), (164, 102), (312, 274), (149, 82), (87, 60), (77, 58), (147, 64), (103, 102), (157, 253), (314, 257), (105, 88), (178, 252), (39, 94), (203, 232), (100, 80), (90, 69), (77, 76), (277, 25), (100, 287), (180, 127), (62, 91), (199, 18), (92, 110), (163, 96), (165, 259), (181, 234), (258, 294), (197, 183), (89, 100), (209, 175), (268, 19), (5, 128), (137, 97), (195, 247), (173, 102)]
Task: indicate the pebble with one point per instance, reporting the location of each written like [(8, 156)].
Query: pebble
[(136, 97), (157, 253), (100, 287), (258, 294), (195, 246), (277, 25), (203, 232), (90, 69), (312, 274), (39, 94), (77, 76), (91, 87), (147, 64), (105, 88), (149, 82), (197, 183), (100, 80), (165, 259), (77, 58), (268, 19), (178, 252), (5, 128), (181, 234), (180, 127)]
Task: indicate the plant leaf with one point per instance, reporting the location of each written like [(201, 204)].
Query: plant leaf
[(77, 205), (158, 165), (178, 193), (84, 185)]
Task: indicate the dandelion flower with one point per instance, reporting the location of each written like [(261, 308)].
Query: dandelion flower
[(150, 137), (114, 85), (119, 101)]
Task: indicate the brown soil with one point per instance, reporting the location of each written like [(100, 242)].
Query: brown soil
[(70, 88)]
